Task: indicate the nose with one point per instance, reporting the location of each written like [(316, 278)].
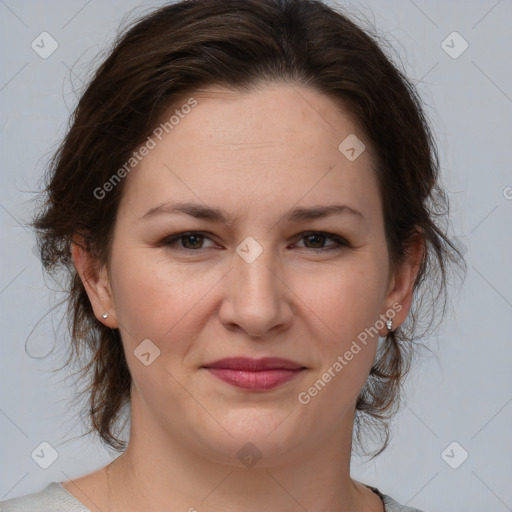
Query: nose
[(256, 298)]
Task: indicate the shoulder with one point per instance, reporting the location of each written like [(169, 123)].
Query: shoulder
[(390, 505), (53, 498)]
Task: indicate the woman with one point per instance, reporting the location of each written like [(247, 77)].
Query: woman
[(244, 203)]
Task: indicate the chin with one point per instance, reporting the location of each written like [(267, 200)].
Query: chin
[(262, 436)]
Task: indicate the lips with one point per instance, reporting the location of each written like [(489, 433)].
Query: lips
[(255, 374), (254, 365)]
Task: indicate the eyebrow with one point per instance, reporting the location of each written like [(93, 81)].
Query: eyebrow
[(203, 212)]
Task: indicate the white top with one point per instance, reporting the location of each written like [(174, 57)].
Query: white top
[(54, 498)]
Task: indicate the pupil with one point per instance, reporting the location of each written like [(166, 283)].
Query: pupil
[(317, 236), (198, 239)]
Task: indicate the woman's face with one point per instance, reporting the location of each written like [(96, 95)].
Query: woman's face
[(253, 284)]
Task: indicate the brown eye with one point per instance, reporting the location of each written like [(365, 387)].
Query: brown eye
[(191, 241), (315, 240)]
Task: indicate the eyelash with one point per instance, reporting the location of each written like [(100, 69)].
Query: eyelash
[(340, 243)]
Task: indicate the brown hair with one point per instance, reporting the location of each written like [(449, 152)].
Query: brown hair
[(239, 44)]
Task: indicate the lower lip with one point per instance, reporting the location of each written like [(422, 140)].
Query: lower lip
[(255, 380)]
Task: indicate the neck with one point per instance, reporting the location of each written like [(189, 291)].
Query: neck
[(157, 473)]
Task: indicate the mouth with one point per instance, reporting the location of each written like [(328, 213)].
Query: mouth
[(255, 374)]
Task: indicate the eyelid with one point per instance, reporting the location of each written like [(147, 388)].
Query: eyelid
[(340, 242), (176, 237)]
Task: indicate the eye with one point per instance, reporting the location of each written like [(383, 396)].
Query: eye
[(318, 239), (191, 241), (194, 241)]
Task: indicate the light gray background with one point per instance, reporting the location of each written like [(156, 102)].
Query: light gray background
[(465, 395)]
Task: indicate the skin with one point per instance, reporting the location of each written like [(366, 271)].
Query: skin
[(256, 156)]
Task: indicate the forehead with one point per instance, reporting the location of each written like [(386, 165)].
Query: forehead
[(280, 142)]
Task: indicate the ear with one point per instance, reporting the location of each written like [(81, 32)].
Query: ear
[(401, 285), (96, 282)]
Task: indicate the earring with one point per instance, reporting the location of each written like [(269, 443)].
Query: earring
[(104, 316), (389, 323)]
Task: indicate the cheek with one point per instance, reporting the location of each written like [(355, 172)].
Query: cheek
[(155, 299), (345, 300), (345, 305)]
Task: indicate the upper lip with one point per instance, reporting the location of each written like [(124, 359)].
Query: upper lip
[(250, 364)]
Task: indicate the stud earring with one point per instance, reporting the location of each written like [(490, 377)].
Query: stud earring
[(104, 316), (389, 324)]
